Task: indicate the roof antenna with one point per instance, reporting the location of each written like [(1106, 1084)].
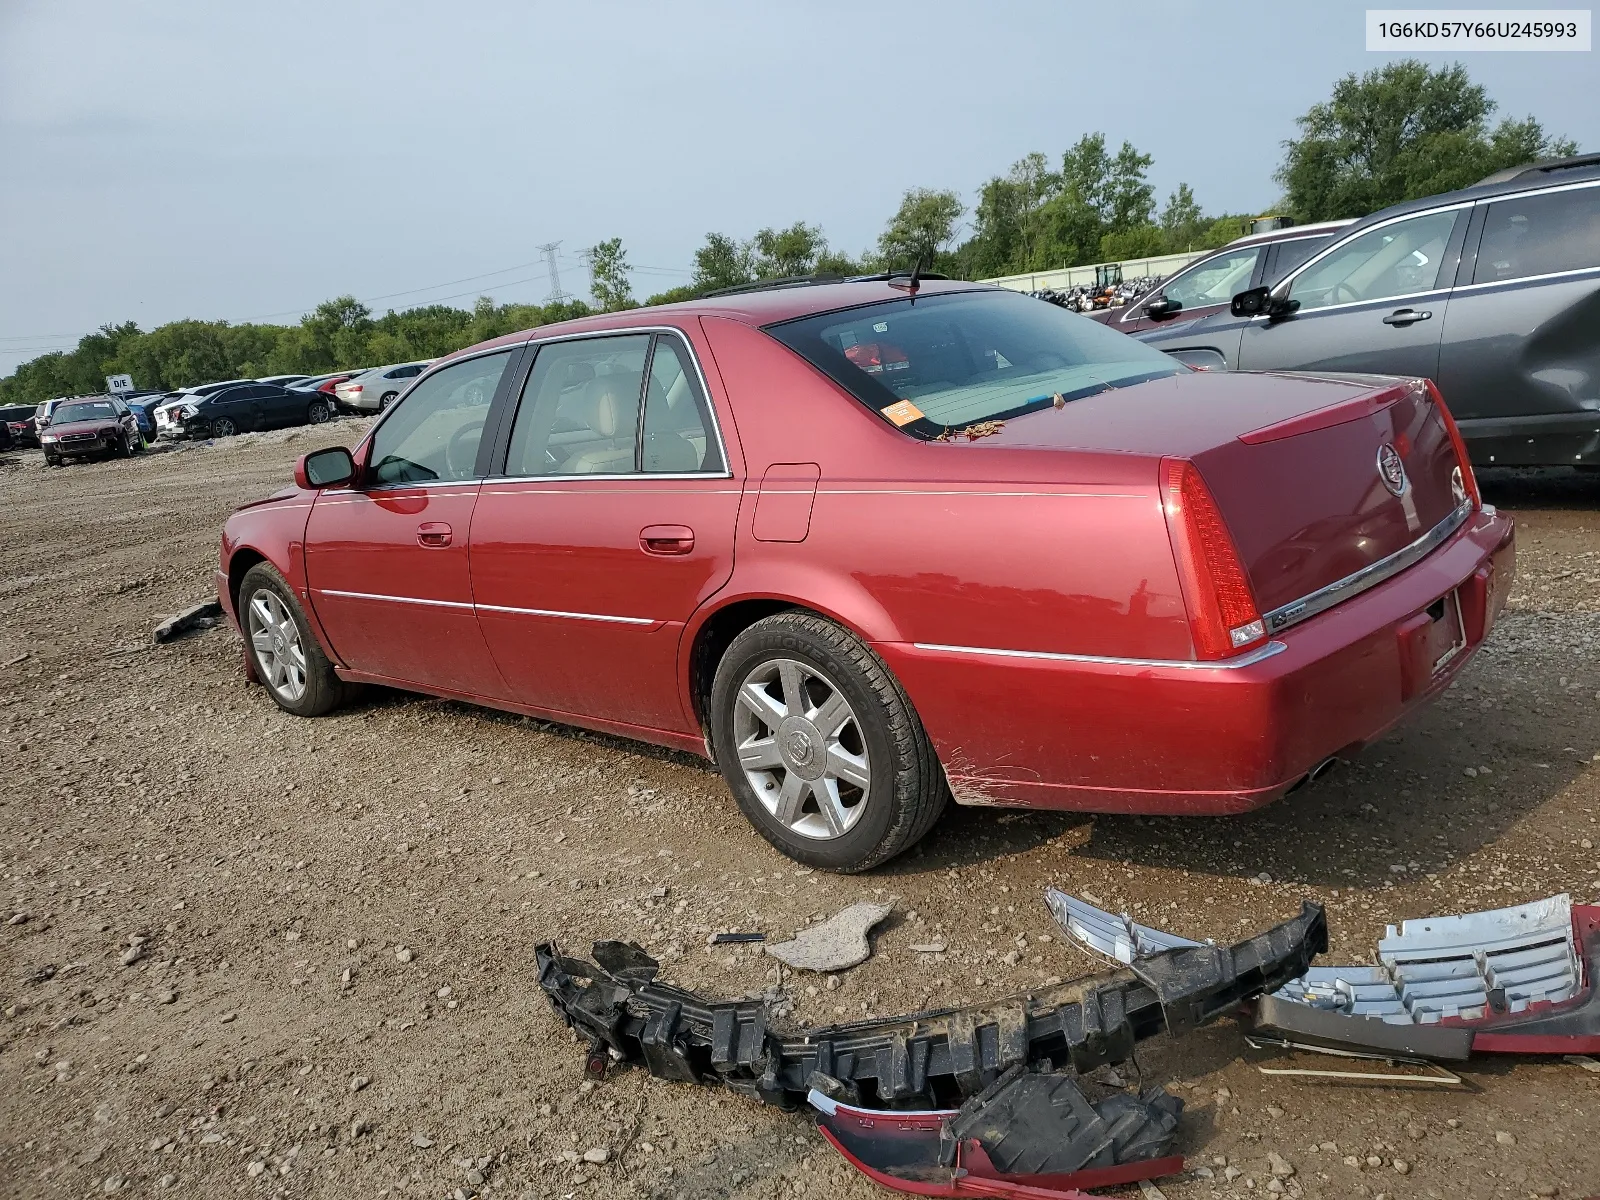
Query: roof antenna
[(915, 282)]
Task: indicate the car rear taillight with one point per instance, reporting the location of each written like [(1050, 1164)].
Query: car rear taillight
[(1469, 481), (354, 388), (1223, 617)]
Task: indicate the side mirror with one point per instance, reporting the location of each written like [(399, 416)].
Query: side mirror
[(1163, 307), (332, 467), (1250, 303), (1259, 301)]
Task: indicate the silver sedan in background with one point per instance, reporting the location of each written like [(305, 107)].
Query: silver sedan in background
[(375, 389)]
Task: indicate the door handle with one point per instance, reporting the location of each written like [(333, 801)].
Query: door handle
[(666, 539), (1406, 316), (433, 534)]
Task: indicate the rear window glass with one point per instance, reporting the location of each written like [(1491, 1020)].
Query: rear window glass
[(946, 362)]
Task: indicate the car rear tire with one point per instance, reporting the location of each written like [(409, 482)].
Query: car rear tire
[(319, 412), (820, 745), (285, 653)]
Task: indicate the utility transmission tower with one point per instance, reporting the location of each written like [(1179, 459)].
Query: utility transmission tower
[(556, 296)]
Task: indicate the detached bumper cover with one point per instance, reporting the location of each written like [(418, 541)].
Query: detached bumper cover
[(1519, 979), (921, 1060), (1027, 1135)]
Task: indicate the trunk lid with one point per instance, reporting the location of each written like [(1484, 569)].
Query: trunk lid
[(1293, 462)]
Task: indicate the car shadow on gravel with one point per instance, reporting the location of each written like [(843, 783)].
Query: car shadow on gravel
[(372, 698)]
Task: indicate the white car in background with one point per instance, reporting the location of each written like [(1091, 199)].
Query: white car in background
[(375, 390)]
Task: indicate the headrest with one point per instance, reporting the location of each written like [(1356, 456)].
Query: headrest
[(605, 404)]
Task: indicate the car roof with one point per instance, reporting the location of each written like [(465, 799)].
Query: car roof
[(1583, 168), (756, 307), (1290, 233)]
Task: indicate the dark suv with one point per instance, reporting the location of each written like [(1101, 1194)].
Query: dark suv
[(1493, 292)]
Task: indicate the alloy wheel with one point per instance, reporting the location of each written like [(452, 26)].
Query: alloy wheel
[(801, 748), (318, 412), (223, 427), (275, 638)]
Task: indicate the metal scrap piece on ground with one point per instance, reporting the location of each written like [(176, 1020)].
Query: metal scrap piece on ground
[(736, 939), (1027, 1134), (923, 1059), (1515, 980), (836, 944), (196, 616)]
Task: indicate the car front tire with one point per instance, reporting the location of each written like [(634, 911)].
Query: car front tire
[(820, 745), (287, 658), (223, 427), (318, 412)]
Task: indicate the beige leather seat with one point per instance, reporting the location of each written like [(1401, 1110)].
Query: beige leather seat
[(611, 415)]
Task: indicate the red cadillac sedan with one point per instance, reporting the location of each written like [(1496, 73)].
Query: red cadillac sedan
[(871, 546)]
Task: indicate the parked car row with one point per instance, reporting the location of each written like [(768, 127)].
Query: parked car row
[(209, 410)]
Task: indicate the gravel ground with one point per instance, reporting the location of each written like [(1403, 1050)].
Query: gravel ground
[(248, 954)]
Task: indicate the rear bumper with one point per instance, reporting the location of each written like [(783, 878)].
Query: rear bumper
[(1134, 737)]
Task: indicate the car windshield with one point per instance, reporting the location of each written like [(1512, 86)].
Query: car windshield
[(953, 360), (97, 410)]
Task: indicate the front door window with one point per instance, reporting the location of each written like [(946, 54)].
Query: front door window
[(434, 433), (1215, 281), (1403, 258)]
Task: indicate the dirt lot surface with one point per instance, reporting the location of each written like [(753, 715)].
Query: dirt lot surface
[(245, 954)]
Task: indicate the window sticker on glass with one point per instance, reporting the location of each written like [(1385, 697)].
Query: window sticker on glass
[(881, 327), (902, 412)]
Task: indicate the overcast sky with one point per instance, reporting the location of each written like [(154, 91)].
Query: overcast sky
[(245, 161)]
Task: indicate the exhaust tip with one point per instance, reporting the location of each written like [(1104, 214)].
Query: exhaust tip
[(1322, 768)]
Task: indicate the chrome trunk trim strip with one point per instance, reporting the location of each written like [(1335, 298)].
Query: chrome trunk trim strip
[(1369, 576)]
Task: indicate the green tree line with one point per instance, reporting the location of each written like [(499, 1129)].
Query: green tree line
[(338, 334), (1398, 132)]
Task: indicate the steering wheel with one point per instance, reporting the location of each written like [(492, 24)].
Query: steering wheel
[(1350, 296), (461, 455)]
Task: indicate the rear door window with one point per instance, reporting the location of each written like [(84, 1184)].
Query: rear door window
[(580, 409), (679, 435), (1540, 235)]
